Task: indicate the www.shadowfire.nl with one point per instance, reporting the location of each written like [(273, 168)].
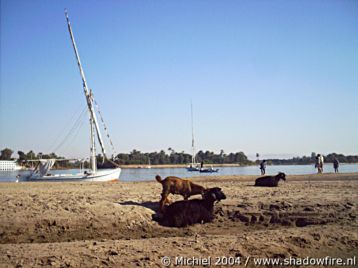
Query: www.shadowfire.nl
[(307, 261)]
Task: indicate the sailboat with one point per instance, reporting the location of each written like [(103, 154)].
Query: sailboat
[(193, 166), (42, 172), (148, 166)]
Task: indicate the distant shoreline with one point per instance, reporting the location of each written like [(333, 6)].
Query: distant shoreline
[(180, 165), (144, 166), (213, 165)]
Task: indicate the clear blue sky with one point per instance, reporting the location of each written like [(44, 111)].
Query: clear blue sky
[(273, 77)]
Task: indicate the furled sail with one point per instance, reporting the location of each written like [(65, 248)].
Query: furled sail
[(43, 167)]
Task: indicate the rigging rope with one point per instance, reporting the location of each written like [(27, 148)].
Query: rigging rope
[(65, 128), (73, 129), (74, 136), (104, 126)]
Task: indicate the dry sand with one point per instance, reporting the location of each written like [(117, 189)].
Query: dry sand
[(110, 224)]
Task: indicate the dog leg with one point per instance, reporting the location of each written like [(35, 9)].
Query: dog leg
[(163, 201), (168, 201)]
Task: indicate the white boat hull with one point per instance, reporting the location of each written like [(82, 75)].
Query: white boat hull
[(99, 176)]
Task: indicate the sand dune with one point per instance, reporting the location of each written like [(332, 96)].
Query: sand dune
[(110, 224)]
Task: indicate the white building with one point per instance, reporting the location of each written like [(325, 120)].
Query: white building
[(9, 165)]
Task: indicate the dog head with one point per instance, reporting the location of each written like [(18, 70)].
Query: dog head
[(215, 194)]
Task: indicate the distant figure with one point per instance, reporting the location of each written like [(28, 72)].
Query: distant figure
[(202, 164), (335, 165), (263, 167), (319, 163)]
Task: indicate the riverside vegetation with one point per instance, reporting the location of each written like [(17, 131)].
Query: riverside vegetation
[(172, 157)]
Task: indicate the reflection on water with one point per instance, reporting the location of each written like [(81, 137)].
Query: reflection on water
[(144, 174)]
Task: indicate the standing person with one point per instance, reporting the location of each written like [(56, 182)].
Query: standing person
[(319, 163), (335, 164), (263, 167)]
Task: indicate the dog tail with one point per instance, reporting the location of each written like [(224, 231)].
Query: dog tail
[(158, 178)]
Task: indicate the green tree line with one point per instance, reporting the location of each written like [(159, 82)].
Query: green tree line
[(305, 160), (162, 157), (26, 158), (6, 154)]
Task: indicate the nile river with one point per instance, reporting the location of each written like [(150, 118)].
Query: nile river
[(145, 174)]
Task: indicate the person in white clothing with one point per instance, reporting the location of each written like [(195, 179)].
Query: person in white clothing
[(319, 163)]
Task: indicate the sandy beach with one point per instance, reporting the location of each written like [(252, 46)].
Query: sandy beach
[(110, 224)]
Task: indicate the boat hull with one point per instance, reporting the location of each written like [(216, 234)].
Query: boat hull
[(100, 176), (192, 169), (203, 170)]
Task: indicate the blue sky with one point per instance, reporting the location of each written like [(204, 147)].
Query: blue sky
[(275, 77)]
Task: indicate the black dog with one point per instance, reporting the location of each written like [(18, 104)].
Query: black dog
[(270, 181), (184, 213)]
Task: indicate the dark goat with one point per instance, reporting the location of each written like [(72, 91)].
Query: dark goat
[(188, 212), (270, 181)]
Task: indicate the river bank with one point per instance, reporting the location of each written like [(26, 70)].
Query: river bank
[(110, 224)]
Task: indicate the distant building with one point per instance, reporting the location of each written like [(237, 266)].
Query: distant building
[(9, 165)]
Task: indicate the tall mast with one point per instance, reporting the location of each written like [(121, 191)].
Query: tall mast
[(93, 163), (89, 99), (193, 158)]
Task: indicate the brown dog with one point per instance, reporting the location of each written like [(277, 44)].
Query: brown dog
[(175, 185)]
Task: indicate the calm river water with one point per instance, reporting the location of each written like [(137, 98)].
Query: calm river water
[(145, 174)]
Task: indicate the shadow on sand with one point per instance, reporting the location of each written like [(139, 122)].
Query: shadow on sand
[(149, 204), (154, 206)]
